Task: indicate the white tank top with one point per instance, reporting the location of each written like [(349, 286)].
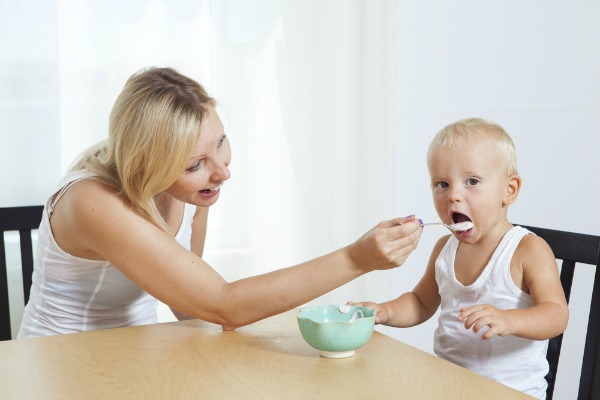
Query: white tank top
[(72, 294), (516, 362)]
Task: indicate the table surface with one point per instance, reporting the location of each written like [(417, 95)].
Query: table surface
[(194, 359)]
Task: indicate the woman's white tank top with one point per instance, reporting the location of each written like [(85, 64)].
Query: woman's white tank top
[(72, 294), (513, 361)]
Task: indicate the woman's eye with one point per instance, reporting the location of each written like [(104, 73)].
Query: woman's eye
[(196, 166), (472, 181), (221, 141)]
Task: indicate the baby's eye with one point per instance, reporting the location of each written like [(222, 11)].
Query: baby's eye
[(472, 181), (441, 185)]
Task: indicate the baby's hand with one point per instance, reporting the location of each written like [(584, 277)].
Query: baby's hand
[(482, 315), (381, 314)]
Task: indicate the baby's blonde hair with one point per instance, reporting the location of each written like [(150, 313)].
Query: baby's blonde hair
[(472, 130), (154, 126)]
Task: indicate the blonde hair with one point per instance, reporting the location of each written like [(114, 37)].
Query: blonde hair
[(472, 130), (154, 126)]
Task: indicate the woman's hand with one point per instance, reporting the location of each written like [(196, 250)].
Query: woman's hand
[(387, 245)]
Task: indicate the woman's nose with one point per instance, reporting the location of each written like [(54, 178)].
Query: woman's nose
[(221, 171)]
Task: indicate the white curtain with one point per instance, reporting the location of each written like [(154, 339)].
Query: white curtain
[(329, 107), (308, 115)]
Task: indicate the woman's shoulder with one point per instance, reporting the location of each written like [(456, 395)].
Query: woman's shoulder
[(80, 211), (90, 198), (91, 191)]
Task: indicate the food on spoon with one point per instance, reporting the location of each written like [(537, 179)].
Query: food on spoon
[(462, 226)]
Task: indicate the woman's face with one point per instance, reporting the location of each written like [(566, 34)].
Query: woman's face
[(207, 169)]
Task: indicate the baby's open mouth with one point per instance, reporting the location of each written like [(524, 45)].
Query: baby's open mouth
[(458, 217)]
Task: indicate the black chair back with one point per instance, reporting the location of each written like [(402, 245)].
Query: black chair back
[(572, 249), (24, 220)]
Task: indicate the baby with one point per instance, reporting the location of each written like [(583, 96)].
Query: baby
[(497, 284)]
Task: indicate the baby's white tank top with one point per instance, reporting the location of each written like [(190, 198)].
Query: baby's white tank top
[(516, 362), (72, 294)]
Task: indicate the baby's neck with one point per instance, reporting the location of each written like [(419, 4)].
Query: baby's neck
[(472, 258)]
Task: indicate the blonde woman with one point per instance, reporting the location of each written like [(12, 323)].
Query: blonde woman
[(128, 222)]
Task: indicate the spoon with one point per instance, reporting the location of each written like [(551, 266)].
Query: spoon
[(345, 309), (458, 227), (356, 315)]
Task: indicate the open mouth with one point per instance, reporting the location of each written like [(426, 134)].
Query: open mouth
[(212, 190), (458, 217)]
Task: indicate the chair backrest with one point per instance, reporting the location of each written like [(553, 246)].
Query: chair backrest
[(576, 248), (24, 220)]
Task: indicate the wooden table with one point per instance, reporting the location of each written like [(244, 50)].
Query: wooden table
[(196, 360)]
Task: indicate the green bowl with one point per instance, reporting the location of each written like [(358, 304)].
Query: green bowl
[(335, 333)]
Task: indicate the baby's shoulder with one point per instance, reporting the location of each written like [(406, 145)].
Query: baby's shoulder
[(531, 250), (532, 243), (439, 245)]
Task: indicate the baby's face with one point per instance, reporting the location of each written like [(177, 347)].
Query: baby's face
[(470, 184)]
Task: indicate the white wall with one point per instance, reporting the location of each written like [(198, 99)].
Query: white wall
[(532, 67), (329, 107)]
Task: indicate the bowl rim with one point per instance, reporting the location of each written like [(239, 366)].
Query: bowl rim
[(301, 317)]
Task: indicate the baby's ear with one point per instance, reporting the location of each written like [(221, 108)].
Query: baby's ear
[(513, 186)]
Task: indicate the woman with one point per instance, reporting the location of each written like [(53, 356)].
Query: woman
[(128, 222)]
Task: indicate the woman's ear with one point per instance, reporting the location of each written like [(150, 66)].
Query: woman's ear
[(513, 186)]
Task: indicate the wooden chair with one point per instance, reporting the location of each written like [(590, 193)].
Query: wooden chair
[(572, 249), (24, 220)]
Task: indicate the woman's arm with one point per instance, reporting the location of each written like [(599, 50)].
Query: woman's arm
[(104, 226), (199, 230), (198, 239)]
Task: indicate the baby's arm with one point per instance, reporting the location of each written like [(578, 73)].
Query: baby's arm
[(548, 316), (411, 308)]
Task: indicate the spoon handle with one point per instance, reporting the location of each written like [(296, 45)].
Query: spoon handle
[(459, 227), (437, 223)]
